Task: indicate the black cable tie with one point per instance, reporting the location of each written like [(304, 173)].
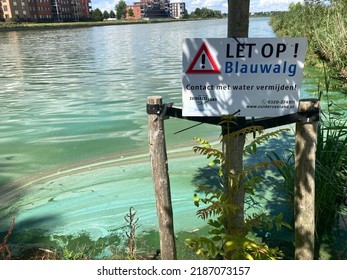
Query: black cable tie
[(188, 128), (242, 44)]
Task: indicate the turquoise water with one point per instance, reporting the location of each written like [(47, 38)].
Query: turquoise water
[(73, 125)]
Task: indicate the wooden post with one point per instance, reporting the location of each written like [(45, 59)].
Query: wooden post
[(233, 152), (238, 18), (160, 174), (304, 182), (238, 22)]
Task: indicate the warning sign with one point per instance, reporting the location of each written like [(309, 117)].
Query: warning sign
[(201, 65), (259, 77)]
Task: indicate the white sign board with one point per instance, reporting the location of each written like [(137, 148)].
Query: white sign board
[(258, 77)]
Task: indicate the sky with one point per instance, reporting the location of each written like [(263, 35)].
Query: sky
[(191, 5)]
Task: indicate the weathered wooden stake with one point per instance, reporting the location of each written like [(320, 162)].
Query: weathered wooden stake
[(304, 181), (160, 174)]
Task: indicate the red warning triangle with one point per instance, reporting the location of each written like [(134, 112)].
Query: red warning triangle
[(201, 70)]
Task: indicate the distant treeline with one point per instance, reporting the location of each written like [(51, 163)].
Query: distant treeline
[(198, 13), (205, 13), (265, 14), (324, 23)]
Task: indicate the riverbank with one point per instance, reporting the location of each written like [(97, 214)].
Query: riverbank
[(83, 24), (10, 26)]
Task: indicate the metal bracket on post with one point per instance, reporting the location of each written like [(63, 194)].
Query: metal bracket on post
[(309, 110), (312, 115), (154, 109), (159, 110)]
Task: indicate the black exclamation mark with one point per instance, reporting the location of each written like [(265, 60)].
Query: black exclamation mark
[(296, 46), (203, 60)]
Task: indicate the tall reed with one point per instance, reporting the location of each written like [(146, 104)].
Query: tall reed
[(330, 175), (325, 26)]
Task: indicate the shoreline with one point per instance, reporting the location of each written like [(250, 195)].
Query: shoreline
[(6, 27)]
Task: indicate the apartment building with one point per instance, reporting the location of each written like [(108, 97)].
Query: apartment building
[(155, 9), (177, 9), (45, 10)]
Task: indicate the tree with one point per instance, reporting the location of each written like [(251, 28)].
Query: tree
[(221, 209), (238, 23), (130, 12), (112, 14), (97, 15), (106, 15), (197, 11), (121, 9), (206, 13), (186, 14), (238, 18)]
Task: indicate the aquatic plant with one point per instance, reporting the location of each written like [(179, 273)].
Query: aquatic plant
[(132, 222)]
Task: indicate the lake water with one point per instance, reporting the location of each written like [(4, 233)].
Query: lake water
[(71, 95), (73, 124)]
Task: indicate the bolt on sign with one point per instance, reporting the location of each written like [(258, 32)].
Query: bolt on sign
[(254, 77)]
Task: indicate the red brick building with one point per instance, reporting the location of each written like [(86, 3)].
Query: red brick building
[(136, 11), (45, 10)]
